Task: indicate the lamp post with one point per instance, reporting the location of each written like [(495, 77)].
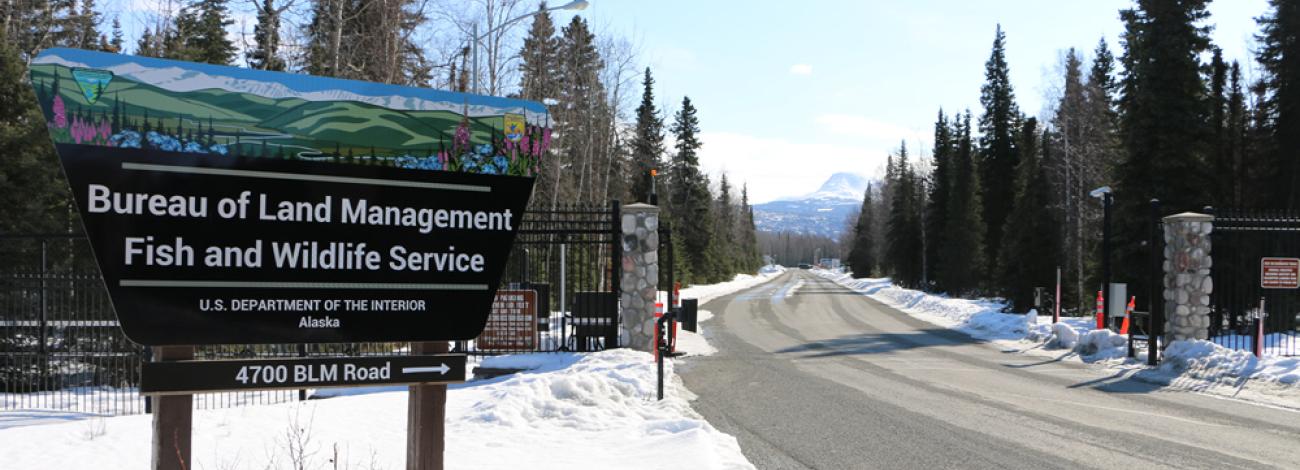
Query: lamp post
[(574, 5), (1104, 193)]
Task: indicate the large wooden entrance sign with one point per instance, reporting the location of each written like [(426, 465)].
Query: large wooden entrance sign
[(234, 206)]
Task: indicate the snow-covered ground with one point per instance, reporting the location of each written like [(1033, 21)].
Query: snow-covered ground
[(1190, 365), (588, 410), (594, 410)]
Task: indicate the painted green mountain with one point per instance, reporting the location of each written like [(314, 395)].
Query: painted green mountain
[(305, 125), (363, 124)]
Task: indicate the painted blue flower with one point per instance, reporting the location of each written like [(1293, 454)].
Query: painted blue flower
[(163, 142), (484, 150), (126, 139), (488, 169), (219, 149), (501, 162), (469, 164)]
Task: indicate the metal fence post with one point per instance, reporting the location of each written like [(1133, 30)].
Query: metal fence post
[(1106, 201), (1257, 330), (564, 311), (43, 319), (1155, 286), (616, 258)]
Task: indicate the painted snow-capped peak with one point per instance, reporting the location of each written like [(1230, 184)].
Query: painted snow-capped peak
[(176, 79)]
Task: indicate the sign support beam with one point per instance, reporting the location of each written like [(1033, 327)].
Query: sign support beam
[(172, 418), (426, 417)]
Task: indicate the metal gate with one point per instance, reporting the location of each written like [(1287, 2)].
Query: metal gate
[(1241, 240), (571, 257)]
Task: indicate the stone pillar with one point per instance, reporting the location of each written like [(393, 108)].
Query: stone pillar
[(640, 274), (1187, 276)]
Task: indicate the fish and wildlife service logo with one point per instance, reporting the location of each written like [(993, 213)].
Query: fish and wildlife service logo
[(514, 127), (92, 82)]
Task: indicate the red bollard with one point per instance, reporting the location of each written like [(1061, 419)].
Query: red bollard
[(1101, 312)]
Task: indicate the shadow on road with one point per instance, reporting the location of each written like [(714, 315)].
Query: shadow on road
[(1124, 381), (876, 343)]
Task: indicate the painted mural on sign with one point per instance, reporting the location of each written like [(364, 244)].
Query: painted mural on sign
[(114, 100)]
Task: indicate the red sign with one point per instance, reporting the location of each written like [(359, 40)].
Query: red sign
[(512, 323), (1279, 273)]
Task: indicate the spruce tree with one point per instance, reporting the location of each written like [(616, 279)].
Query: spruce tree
[(35, 198), (937, 205), (539, 76), (1030, 247), (1102, 74), (117, 43), (207, 41), (149, 44), (692, 211), (648, 142), (1279, 42), (1163, 123), (998, 159), (265, 54), (87, 27), (726, 231), (962, 249), (1237, 137), (753, 258), (862, 258), (903, 238)]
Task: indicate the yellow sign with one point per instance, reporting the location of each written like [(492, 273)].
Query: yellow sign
[(514, 127)]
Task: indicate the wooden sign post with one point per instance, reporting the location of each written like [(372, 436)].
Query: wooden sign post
[(426, 417), (173, 416)]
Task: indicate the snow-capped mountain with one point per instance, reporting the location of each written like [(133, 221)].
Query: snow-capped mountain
[(821, 212), (840, 186)]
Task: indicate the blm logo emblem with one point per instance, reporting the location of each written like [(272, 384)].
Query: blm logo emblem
[(92, 82)]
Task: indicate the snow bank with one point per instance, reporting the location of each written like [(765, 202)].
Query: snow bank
[(1077, 338), (596, 411), (1208, 361)]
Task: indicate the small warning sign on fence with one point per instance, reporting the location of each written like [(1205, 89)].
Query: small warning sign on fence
[(1279, 273), (511, 325)]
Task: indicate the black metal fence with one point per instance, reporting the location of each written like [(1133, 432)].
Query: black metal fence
[(61, 347), (571, 257), (1241, 240)]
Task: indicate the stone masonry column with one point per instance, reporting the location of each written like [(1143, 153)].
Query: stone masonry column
[(640, 274), (1187, 276)]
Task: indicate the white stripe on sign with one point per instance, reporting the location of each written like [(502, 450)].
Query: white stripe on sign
[(196, 170)]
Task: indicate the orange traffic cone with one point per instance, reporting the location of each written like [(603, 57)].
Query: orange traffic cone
[(1128, 313)]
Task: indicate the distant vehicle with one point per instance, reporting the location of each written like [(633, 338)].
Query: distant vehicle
[(805, 266)]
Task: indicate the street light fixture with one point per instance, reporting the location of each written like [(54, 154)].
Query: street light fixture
[(1104, 193), (576, 5)]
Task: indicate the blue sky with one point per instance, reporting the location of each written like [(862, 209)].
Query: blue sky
[(790, 92)]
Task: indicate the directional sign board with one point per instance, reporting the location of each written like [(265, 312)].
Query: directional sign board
[(227, 205), (267, 374), (1279, 273)]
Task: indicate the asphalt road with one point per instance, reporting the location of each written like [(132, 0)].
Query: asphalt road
[(826, 378)]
